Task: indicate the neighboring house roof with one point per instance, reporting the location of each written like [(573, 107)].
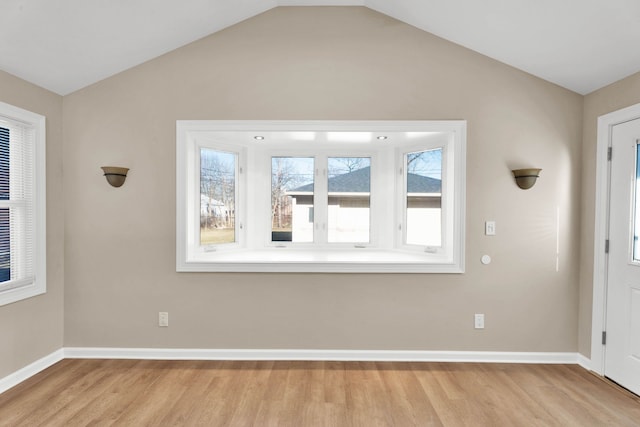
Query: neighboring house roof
[(423, 184), (358, 181)]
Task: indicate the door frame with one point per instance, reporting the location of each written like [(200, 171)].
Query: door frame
[(601, 233)]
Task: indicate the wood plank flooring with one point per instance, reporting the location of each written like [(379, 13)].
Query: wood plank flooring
[(225, 393)]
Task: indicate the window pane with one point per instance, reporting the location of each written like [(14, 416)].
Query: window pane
[(292, 199), (349, 184), (217, 197), (424, 198)]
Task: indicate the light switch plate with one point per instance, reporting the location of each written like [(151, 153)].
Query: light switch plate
[(490, 228)]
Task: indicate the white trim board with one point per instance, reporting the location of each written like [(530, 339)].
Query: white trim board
[(584, 362), (601, 232), (30, 370), (320, 355), (23, 374)]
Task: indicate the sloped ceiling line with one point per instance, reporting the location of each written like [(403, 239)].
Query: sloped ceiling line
[(65, 45)]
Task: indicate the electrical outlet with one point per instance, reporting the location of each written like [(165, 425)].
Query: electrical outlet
[(479, 321), (163, 319)]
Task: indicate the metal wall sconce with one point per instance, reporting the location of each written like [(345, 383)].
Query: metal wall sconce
[(526, 178), (115, 175)]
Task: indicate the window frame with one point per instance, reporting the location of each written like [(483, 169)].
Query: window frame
[(267, 156), (373, 201), (192, 201), (448, 179), (383, 254), (38, 284), (321, 193)]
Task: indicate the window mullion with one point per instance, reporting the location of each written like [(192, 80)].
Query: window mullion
[(400, 225), (321, 200), (240, 207)]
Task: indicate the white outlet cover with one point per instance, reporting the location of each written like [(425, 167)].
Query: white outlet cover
[(479, 321), (163, 318)]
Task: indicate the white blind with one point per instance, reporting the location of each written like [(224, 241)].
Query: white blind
[(17, 204)]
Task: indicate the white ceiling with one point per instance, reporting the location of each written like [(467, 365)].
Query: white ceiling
[(64, 45)]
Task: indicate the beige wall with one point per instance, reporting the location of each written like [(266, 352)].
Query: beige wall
[(33, 328), (611, 98), (323, 63)]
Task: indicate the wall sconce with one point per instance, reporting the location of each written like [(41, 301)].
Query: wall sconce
[(526, 178), (115, 175)]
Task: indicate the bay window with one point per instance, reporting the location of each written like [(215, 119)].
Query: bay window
[(320, 196)]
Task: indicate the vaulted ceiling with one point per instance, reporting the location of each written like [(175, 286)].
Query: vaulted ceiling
[(65, 45)]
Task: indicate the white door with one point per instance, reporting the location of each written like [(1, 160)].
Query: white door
[(622, 350)]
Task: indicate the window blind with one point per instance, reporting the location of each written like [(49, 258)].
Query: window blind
[(17, 216), (5, 236)]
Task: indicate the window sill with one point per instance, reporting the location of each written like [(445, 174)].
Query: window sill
[(9, 296), (284, 260)]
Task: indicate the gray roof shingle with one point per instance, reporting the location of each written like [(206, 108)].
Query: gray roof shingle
[(358, 181)]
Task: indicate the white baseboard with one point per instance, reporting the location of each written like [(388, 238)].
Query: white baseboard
[(333, 355), (584, 362), (17, 377), (311, 355)]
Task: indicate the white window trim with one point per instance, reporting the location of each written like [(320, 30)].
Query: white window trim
[(331, 259), (39, 285)]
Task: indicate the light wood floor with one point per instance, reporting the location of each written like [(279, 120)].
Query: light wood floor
[(210, 393)]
